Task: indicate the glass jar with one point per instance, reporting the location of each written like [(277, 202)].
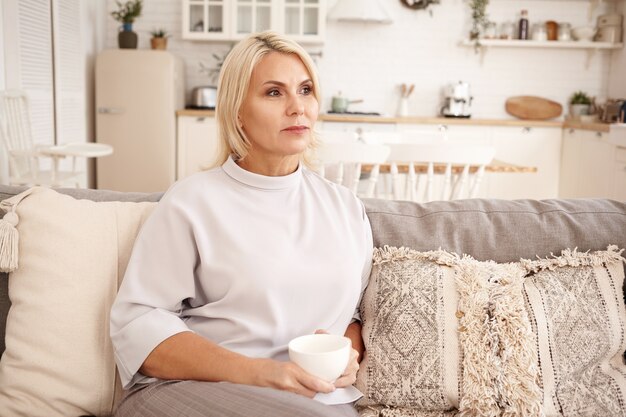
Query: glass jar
[(565, 32), (539, 32), (490, 31), (507, 31)]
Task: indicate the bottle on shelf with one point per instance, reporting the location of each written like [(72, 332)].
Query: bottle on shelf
[(523, 26)]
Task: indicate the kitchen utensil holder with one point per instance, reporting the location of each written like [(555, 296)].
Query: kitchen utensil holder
[(403, 107)]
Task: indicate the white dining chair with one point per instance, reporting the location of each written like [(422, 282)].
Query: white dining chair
[(462, 166), (25, 157), (341, 163)]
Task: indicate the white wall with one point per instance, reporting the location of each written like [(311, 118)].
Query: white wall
[(4, 164), (370, 61), (93, 27), (424, 50), (617, 78)]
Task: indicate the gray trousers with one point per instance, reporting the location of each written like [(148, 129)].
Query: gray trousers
[(222, 399)]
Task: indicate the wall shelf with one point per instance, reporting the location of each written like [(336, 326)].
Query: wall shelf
[(516, 43), (589, 47)]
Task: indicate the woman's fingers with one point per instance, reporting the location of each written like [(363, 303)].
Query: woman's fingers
[(349, 375), (345, 381), (288, 376), (321, 331), (314, 383)]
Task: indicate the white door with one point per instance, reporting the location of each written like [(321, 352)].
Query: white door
[(43, 56)]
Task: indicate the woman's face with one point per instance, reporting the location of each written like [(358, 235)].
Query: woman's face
[(279, 110)]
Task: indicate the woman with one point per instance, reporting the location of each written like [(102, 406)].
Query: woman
[(236, 261)]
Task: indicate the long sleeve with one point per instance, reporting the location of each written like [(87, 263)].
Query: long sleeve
[(158, 278), (367, 266)]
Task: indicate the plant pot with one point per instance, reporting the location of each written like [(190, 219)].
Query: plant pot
[(127, 39), (158, 43), (576, 110)]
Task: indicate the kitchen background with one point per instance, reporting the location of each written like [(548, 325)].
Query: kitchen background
[(370, 61), (49, 49)]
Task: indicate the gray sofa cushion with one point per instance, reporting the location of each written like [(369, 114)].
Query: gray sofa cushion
[(501, 230)]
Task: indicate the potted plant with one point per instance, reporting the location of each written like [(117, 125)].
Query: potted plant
[(159, 39), (126, 14), (480, 19), (214, 72), (579, 104)]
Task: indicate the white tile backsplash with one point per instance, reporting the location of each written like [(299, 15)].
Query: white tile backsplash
[(370, 61)]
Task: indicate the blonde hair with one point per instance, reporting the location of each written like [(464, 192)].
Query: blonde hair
[(233, 86)]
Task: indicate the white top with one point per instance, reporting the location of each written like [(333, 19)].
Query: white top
[(245, 260)]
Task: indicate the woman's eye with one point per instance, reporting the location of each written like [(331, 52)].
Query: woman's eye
[(307, 90), (273, 93)]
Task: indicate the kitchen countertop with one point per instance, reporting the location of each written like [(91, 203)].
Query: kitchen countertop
[(595, 127), (351, 118), (196, 113)]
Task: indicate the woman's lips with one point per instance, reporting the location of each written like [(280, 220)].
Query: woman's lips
[(296, 129)]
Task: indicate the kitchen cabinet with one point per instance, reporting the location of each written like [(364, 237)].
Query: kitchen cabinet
[(528, 146), (197, 144), (592, 167), (358, 127), (619, 174), (231, 20)]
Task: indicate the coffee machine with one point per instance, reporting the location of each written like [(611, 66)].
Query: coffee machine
[(457, 101)]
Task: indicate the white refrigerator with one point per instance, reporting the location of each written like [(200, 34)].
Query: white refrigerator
[(137, 95)]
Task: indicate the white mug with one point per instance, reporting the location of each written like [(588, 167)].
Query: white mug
[(325, 356)]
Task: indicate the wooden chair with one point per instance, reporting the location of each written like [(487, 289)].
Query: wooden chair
[(341, 162), (462, 167), (24, 156)]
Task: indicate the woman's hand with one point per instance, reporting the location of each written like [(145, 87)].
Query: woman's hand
[(348, 377), (288, 376)]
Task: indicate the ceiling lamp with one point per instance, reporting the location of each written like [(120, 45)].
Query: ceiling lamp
[(370, 11)]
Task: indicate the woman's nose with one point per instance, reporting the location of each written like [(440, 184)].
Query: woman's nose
[(296, 105)]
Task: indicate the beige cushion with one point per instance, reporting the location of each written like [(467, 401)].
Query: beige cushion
[(72, 256), (446, 333)]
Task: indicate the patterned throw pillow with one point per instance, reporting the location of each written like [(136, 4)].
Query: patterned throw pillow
[(409, 329), (446, 334), (577, 311), (441, 336)]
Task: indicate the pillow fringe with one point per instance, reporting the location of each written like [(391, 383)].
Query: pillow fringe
[(500, 363), (571, 257), (391, 254), (9, 236)]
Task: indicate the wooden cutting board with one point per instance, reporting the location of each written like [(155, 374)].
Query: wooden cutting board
[(533, 108)]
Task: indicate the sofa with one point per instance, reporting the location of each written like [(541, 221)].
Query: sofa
[(475, 260)]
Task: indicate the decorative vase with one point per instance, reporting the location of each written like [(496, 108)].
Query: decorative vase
[(577, 110), (158, 43), (126, 38)]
